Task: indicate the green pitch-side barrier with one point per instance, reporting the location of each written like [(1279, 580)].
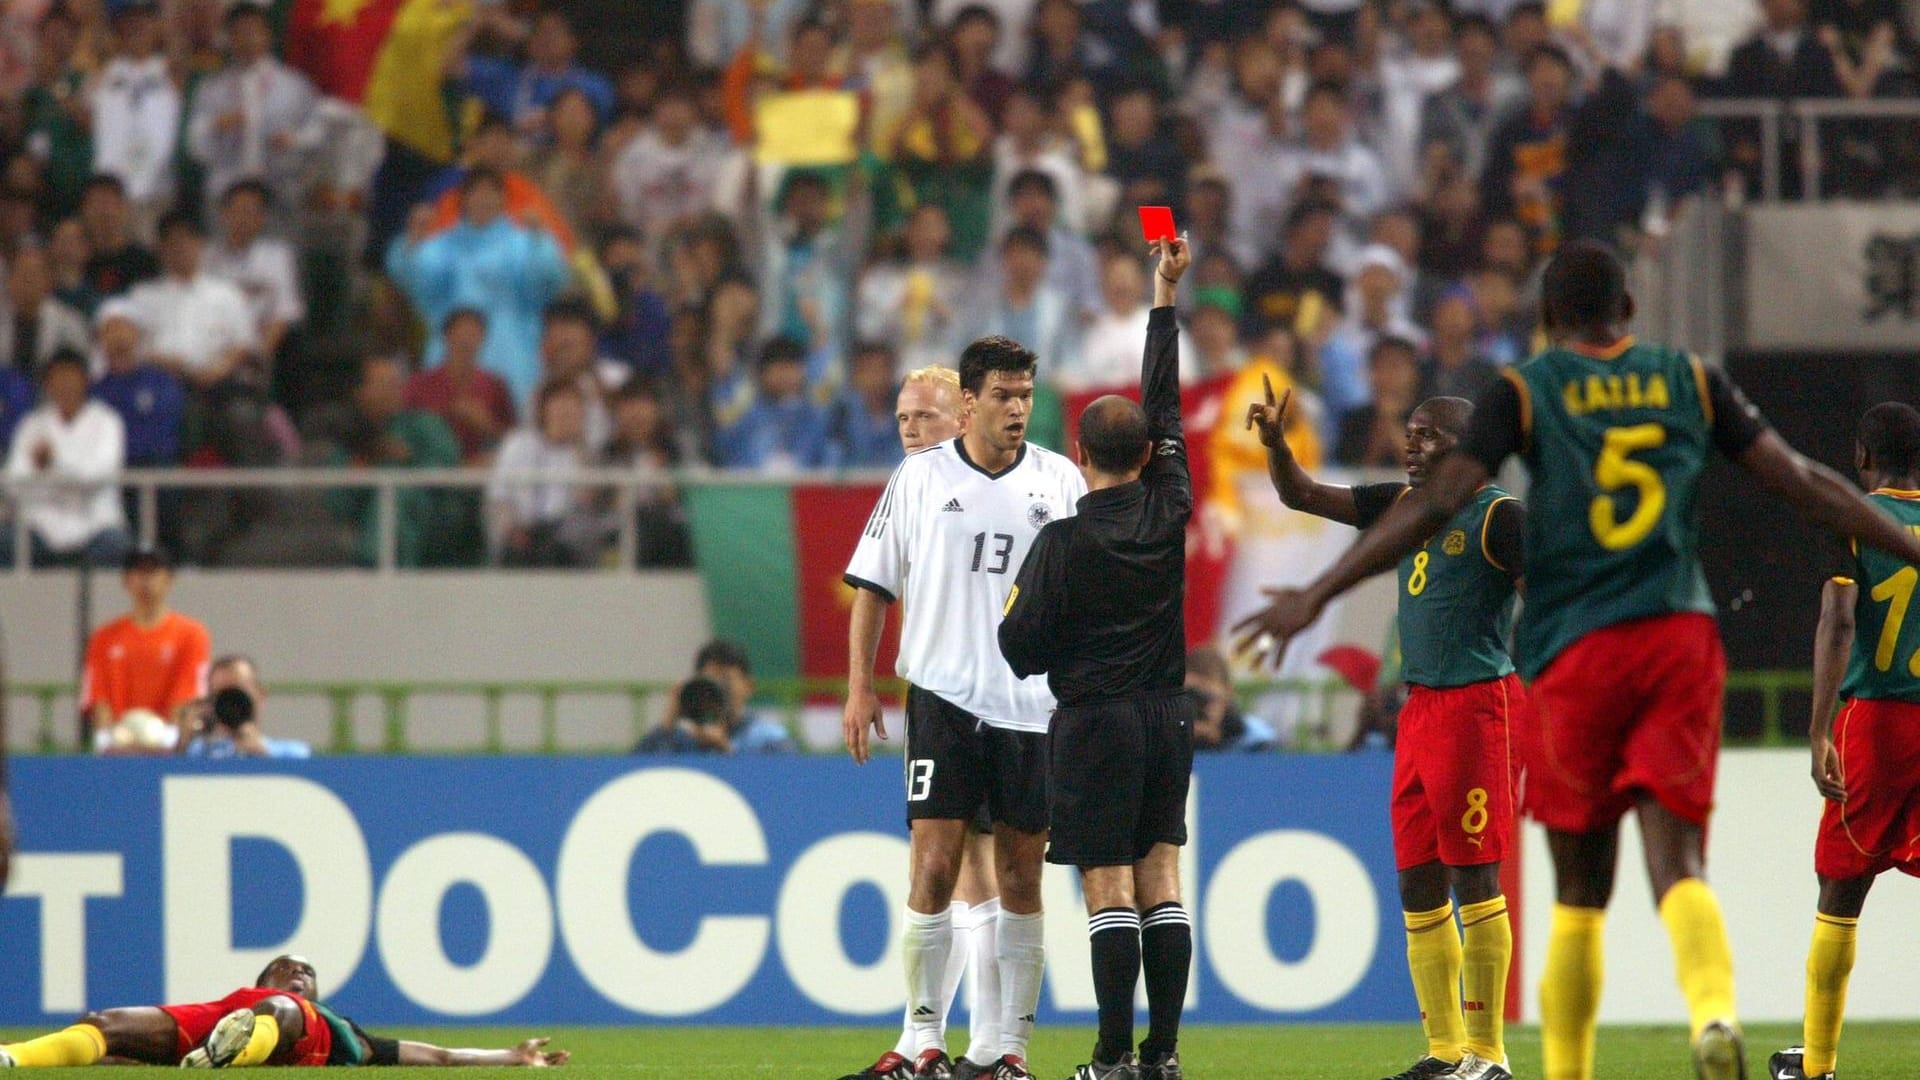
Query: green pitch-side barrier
[(1312, 706)]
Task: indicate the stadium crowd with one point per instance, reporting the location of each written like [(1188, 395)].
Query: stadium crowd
[(467, 247)]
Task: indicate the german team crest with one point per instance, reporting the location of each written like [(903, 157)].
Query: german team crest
[(1039, 514), (1455, 543)]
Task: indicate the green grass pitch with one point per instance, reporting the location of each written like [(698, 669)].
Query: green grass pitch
[(1870, 1051)]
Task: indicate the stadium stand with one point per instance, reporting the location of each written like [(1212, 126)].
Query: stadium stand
[(834, 173)]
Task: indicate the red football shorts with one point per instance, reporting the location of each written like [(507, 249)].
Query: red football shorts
[(1453, 773), (1627, 711), (196, 1022), (1878, 828)]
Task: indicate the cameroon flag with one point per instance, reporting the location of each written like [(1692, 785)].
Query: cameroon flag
[(771, 556), (386, 56)]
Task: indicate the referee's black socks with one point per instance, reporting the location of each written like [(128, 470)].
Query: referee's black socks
[(1116, 970), (1166, 951)]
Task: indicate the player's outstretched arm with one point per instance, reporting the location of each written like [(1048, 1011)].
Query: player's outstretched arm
[(532, 1053), (1825, 497), (1398, 532), (863, 714), (1297, 489), (1832, 643)]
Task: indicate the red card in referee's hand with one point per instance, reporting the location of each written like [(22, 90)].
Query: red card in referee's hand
[(1156, 223)]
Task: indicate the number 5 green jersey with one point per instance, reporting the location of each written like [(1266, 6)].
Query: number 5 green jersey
[(1886, 630), (1615, 440)]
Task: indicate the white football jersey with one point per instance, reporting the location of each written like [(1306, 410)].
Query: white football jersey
[(947, 540)]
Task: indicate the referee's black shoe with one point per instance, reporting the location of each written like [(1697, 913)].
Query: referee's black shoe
[(1166, 1067), (1427, 1068), (891, 1066), (933, 1065), (1125, 1069)]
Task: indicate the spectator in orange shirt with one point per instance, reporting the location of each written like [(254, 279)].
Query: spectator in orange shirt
[(151, 658)]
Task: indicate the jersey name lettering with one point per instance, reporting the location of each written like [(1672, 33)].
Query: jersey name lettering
[(1628, 391)]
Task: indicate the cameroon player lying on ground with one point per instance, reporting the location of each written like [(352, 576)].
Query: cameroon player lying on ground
[(277, 1021)]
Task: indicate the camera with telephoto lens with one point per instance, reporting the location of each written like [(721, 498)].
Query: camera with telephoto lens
[(232, 707), (701, 701)]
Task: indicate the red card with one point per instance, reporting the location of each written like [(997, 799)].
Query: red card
[(1156, 223)]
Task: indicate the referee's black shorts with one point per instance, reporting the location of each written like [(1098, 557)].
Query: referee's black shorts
[(959, 769), (1118, 773)]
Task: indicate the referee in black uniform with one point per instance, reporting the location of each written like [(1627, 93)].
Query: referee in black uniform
[(1097, 607)]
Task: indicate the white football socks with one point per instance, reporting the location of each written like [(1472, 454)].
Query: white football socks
[(927, 945), (984, 999), (956, 962), (908, 1045), (1023, 960)]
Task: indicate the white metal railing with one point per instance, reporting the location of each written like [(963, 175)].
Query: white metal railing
[(1807, 113), (1682, 287), (626, 486)]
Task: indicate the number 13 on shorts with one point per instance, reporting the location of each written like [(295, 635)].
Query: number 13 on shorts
[(919, 779)]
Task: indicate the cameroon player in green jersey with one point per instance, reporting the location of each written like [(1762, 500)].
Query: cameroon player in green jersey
[(1866, 752), (1617, 640), (1453, 769)]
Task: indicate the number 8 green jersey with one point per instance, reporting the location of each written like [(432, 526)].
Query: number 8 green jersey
[(1886, 634), (1615, 441)]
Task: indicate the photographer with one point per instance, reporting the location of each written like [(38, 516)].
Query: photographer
[(698, 724), (227, 721), (710, 711)]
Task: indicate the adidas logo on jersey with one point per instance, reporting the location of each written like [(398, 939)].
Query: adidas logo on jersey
[(952, 507)]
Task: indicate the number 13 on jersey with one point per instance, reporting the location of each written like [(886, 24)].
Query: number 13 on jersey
[(995, 560)]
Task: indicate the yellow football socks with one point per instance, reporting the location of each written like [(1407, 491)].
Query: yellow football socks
[(1488, 953), (1570, 991), (81, 1044), (261, 1044), (1702, 960), (1433, 957), (1829, 962)]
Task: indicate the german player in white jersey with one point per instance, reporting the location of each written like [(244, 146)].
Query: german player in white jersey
[(946, 539), (928, 412)]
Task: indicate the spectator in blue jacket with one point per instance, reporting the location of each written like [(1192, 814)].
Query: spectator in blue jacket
[(784, 428), (638, 333), (525, 91), (490, 263), (18, 396), (151, 401), (862, 424)]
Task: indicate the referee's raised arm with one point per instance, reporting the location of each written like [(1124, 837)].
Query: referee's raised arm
[(1167, 470)]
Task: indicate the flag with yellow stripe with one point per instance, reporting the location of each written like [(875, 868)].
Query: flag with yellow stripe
[(387, 56)]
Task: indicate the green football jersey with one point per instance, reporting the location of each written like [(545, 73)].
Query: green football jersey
[(1886, 633), (1456, 603), (1615, 444)]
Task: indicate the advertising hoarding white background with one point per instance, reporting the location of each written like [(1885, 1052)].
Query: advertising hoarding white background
[(1760, 862), (1833, 275)]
